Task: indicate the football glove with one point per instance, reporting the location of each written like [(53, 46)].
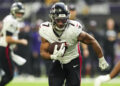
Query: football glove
[(103, 64), (103, 78), (58, 53)]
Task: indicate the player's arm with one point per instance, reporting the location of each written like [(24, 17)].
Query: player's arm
[(89, 40), (56, 53), (10, 40), (104, 78), (115, 70), (8, 26), (44, 48)]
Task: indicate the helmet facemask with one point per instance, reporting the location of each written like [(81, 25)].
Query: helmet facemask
[(60, 22)]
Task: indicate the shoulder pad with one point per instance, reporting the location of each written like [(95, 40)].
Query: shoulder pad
[(9, 19), (44, 27), (75, 24)]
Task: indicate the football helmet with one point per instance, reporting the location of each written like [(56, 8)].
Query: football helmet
[(17, 8), (59, 15)]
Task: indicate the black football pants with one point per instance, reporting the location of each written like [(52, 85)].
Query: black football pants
[(6, 65), (68, 74)]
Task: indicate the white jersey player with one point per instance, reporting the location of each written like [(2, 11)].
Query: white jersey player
[(61, 29), (10, 28), (69, 36)]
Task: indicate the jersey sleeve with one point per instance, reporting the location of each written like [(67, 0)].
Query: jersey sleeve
[(42, 31), (78, 29), (9, 26)]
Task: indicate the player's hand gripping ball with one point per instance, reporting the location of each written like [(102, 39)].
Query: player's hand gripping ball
[(52, 46)]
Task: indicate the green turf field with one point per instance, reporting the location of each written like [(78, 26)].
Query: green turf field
[(43, 82), (27, 84)]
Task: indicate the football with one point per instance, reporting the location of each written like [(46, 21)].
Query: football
[(52, 46)]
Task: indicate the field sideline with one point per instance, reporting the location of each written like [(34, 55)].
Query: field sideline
[(31, 81)]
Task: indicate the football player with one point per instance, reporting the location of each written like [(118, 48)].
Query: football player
[(10, 28), (104, 78), (66, 62)]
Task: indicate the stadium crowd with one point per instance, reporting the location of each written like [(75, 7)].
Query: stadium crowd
[(104, 26)]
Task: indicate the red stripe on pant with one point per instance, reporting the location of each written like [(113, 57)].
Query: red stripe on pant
[(8, 59), (80, 59)]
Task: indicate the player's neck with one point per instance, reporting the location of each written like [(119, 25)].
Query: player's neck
[(58, 33)]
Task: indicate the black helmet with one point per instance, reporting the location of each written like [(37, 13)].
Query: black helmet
[(59, 11)]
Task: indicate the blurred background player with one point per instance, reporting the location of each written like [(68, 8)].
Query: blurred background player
[(109, 42), (73, 13), (66, 65), (10, 28), (103, 78)]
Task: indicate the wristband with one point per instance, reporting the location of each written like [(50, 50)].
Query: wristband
[(53, 57), (102, 59)]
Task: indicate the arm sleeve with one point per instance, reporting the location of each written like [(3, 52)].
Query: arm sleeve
[(42, 31), (9, 27)]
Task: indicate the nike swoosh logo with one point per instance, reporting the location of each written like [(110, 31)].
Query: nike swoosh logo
[(75, 66)]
